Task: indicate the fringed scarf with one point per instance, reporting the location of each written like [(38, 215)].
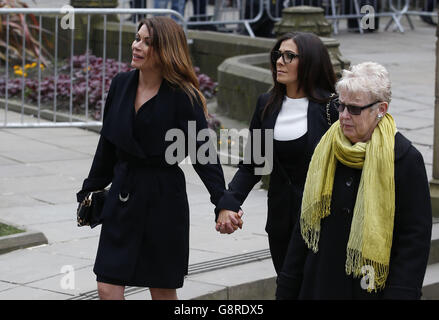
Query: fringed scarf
[(370, 238)]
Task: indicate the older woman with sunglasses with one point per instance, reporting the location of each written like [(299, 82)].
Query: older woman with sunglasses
[(365, 223), (295, 110)]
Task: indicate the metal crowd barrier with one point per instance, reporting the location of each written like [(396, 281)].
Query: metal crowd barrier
[(238, 13), (426, 9), (5, 14), (336, 10), (244, 14)]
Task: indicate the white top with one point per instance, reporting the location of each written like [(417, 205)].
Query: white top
[(291, 123)]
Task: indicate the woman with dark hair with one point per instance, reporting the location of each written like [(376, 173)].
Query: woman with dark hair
[(296, 110), (144, 239)]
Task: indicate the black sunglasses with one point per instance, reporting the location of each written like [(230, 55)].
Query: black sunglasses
[(354, 110), (287, 56)]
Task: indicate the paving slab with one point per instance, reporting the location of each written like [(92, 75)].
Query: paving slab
[(10, 199), (29, 293), (43, 213), (84, 248), (80, 281), (27, 266), (6, 286)]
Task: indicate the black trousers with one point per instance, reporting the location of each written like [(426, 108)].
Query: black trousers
[(278, 250)]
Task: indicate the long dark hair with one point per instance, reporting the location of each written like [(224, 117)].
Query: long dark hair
[(170, 44), (315, 72)]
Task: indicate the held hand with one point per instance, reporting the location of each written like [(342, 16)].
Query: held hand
[(228, 221)]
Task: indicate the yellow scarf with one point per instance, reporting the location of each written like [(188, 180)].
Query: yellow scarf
[(370, 238)]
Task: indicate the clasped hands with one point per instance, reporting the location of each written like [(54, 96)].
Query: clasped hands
[(229, 221)]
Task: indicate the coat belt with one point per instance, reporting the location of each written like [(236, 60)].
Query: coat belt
[(128, 163)]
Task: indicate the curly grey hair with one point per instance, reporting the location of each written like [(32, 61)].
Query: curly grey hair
[(369, 78)]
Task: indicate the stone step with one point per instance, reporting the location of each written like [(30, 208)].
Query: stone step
[(430, 288), (434, 249)]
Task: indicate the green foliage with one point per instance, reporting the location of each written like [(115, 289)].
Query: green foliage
[(6, 230)]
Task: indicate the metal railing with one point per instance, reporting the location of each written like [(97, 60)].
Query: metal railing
[(424, 9), (68, 119), (247, 12), (50, 113), (336, 10), (230, 12)]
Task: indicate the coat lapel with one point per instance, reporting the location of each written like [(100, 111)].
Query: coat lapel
[(314, 127), (119, 125), (270, 120), (164, 99)]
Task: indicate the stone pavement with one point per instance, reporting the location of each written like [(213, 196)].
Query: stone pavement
[(42, 169)]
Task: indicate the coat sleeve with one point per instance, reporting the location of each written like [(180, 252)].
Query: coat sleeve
[(245, 178), (210, 172), (289, 280), (101, 172), (412, 230)]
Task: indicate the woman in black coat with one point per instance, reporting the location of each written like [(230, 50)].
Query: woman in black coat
[(144, 238), (296, 111), (365, 224)]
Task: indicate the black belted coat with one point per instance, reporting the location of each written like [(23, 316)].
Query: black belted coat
[(144, 241)]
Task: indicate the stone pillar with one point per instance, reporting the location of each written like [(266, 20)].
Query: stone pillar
[(434, 183), (303, 18)]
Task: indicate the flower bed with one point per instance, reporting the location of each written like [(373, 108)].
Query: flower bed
[(78, 80)]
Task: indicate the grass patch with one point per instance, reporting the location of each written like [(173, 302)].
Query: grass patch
[(6, 230)]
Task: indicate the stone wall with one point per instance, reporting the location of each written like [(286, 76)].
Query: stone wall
[(210, 49), (241, 80)]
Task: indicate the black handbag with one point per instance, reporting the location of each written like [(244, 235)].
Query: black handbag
[(89, 211)]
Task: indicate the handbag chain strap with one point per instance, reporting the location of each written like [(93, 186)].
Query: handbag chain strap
[(328, 116)]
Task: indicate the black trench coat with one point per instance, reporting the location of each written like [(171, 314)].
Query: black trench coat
[(306, 275), (284, 193), (145, 240)]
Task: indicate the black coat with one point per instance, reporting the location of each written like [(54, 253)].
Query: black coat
[(145, 240), (284, 195), (306, 275)]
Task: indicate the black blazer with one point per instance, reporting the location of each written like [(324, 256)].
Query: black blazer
[(321, 275), (284, 195)]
